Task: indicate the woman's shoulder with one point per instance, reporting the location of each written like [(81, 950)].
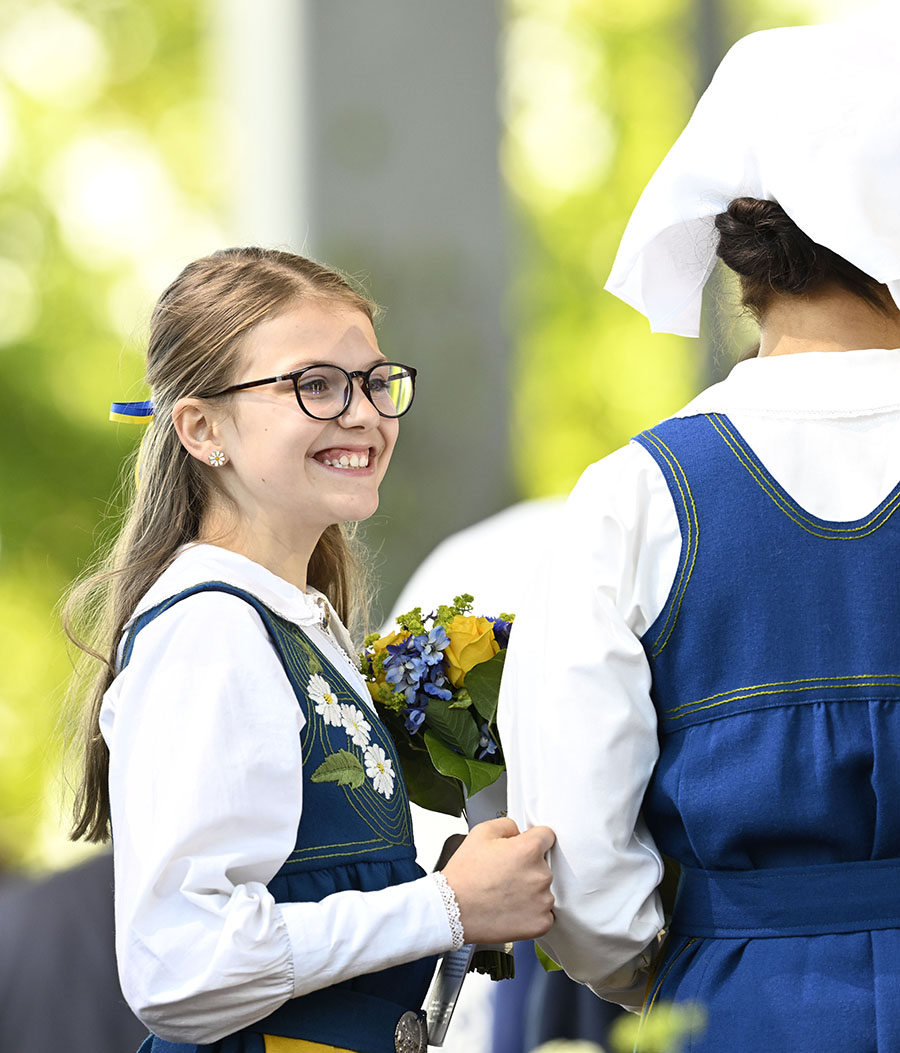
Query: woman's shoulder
[(620, 485)]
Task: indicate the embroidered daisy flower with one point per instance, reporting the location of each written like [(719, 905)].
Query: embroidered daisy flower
[(380, 770), (327, 705), (356, 725)]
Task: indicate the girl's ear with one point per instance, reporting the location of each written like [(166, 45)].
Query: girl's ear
[(195, 426)]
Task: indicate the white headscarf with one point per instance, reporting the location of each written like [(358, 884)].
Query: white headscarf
[(806, 116)]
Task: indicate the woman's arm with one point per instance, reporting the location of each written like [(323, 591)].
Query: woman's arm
[(576, 719)]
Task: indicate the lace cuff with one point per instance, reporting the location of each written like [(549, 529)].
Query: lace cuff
[(452, 908)]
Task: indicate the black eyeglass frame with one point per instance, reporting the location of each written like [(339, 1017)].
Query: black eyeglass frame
[(364, 375)]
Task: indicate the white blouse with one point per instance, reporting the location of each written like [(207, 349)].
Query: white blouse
[(206, 793), (576, 719)]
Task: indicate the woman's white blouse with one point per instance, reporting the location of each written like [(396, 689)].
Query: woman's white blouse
[(576, 719), (206, 793)]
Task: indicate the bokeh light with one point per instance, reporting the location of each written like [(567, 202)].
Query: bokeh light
[(55, 56)]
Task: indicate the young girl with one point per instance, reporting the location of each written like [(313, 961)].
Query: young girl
[(729, 661), (267, 895)]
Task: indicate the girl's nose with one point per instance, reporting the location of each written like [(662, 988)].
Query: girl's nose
[(361, 411)]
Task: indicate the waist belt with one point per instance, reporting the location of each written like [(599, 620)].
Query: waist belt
[(342, 1017), (788, 901)]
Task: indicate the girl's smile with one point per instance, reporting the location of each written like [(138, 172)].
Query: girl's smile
[(358, 459)]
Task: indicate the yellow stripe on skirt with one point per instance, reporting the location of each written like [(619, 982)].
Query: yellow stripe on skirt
[(276, 1044)]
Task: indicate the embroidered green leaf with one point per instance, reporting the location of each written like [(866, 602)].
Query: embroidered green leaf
[(343, 768), (483, 684), (455, 726), (473, 774), (315, 666)]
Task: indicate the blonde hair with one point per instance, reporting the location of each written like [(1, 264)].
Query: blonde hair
[(197, 331)]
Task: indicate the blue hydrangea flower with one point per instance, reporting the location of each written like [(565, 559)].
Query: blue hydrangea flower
[(404, 668), (437, 690), (486, 743), (413, 720), (501, 631), (431, 647)]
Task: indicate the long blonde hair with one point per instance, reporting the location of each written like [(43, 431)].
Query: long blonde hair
[(196, 337)]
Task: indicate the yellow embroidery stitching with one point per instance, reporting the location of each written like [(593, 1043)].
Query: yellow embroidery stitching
[(646, 1011), (790, 683), (821, 684), (309, 856), (693, 541), (792, 510)]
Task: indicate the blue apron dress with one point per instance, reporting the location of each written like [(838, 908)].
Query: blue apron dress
[(776, 680), (349, 837)]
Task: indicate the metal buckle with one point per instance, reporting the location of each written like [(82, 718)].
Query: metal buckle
[(411, 1034)]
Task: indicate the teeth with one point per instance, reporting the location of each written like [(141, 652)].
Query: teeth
[(353, 460)]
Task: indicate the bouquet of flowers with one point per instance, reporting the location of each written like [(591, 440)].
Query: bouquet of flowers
[(435, 682)]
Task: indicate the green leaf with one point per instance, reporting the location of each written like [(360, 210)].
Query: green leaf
[(426, 787), (342, 767), (455, 726), (461, 699), (483, 684), (550, 966), (473, 774)]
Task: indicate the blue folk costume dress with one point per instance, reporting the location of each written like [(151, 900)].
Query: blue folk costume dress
[(349, 837), (776, 678)]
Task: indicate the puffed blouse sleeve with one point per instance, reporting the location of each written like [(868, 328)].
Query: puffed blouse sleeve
[(577, 723), (206, 796)]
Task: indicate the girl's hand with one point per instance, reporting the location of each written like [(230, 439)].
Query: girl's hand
[(501, 881)]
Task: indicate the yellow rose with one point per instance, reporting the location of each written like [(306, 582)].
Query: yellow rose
[(471, 643), (382, 643)]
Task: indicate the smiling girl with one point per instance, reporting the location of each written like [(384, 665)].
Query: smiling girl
[(267, 894)]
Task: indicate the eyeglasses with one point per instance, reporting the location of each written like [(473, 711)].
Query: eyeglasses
[(324, 392)]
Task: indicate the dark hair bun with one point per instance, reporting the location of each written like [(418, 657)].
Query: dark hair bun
[(760, 242)]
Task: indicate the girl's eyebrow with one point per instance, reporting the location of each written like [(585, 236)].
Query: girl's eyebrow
[(319, 362)]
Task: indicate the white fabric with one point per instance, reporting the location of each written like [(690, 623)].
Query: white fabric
[(490, 559), (576, 720), (205, 784), (807, 116)]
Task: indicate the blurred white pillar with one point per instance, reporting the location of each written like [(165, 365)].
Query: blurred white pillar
[(261, 76), (367, 136)]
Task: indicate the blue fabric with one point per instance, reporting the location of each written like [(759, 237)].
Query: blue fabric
[(776, 679), (347, 839), (536, 1007)]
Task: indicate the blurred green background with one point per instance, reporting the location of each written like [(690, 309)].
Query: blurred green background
[(115, 147)]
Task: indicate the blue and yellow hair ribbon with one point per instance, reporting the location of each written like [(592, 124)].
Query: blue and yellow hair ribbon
[(131, 412)]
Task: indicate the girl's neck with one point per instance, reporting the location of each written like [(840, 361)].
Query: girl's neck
[(288, 558), (832, 321)]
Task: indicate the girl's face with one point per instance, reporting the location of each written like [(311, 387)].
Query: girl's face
[(283, 470)]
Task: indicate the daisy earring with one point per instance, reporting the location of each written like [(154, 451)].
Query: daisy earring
[(217, 458)]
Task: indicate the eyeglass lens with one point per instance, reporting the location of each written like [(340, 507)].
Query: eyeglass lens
[(323, 390)]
